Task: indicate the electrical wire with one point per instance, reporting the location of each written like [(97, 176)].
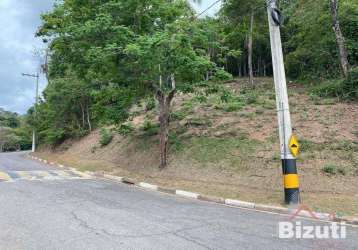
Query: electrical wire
[(207, 9)]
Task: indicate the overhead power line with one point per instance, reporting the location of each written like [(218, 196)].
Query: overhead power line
[(207, 9)]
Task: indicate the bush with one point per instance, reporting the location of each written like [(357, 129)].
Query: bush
[(329, 89), (346, 89), (125, 129), (233, 106), (150, 104), (226, 96), (251, 98), (330, 169), (178, 115), (201, 98), (106, 137), (221, 75), (54, 137), (350, 85), (150, 128)]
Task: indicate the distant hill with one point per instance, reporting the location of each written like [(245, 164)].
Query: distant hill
[(9, 119), (14, 134)]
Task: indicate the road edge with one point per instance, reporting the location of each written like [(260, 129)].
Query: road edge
[(219, 200)]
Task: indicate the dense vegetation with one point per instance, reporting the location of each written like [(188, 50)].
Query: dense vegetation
[(105, 56), (14, 132)]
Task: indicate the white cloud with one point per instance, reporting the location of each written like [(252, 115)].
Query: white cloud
[(19, 20)]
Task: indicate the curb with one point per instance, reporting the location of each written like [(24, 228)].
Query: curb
[(238, 203), (187, 194), (219, 200)]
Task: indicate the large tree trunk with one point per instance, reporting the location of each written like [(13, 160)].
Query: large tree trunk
[(164, 114), (343, 55), (249, 48)]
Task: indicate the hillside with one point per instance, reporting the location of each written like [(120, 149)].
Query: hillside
[(230, 148)]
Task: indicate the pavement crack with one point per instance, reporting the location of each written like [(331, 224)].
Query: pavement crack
[(84, 224), (192, 240)]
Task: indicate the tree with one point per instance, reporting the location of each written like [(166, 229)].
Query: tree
[(169, 62), (343, 54), (309, 44), (246, 27)]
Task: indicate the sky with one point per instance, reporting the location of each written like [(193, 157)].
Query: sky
[(19, 20)]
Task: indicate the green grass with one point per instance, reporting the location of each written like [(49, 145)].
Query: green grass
[(149, 128), (178, 115), (207, 150), (330, 169)]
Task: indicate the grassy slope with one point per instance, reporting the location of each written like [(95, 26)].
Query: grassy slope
[(231, 149)]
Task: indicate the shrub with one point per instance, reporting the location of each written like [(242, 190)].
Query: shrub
[(233, 106), (345, 89), (150, 104), (150, 128), (125, 129), (177, 115), (330, 169), (226, 96), (329, 89), (350, 85), (221, 75), (55, 137), (251, 98), (106, 137), (201, 98)]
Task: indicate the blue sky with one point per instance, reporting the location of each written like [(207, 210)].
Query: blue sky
[(19, 20)]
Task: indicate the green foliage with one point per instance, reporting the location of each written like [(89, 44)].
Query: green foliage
[(232, 106), (176, 143), (346, 89), (150, 104), (350, 85), (200, 98), (330, 169), (106, 137), (15, 134), (221, 75), (206, 150), (150, 128), (311, 50), (53, 136), (178, 115), (125, 128), (107, 55)]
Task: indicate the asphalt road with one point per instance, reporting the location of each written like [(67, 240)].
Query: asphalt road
[(81, 213)]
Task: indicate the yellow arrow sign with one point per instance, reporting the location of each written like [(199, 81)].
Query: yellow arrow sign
[(294, 146)]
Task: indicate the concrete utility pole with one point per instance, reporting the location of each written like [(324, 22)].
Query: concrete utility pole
[(35, 108), (291, 182)]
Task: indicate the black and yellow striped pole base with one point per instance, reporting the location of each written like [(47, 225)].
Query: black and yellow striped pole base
[(290, 181)]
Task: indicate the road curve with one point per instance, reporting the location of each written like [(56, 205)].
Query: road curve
[(82, 213)]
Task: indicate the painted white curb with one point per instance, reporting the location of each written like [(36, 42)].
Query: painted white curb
[(112, 177), (148, 186), (187, 194), (238, 203)]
